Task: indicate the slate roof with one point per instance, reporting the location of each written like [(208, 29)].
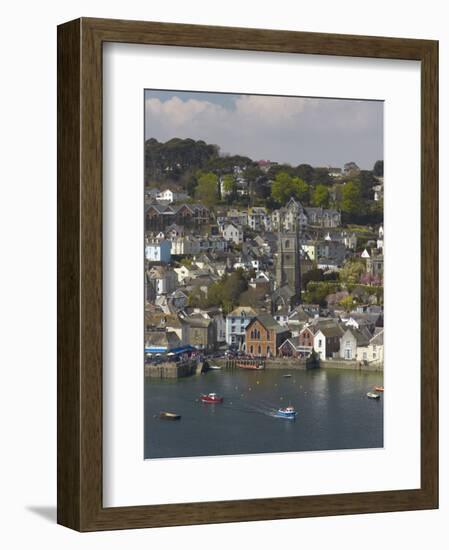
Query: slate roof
[(268, 322), (378, 339), (162, 339)]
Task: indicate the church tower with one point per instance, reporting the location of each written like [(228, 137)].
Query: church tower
[(288, 261)]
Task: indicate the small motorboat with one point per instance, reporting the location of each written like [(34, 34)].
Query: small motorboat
[(286, 376), (165, 415), (373, 395), (286, 412), (214, 367), (211, 398), (379, 388)]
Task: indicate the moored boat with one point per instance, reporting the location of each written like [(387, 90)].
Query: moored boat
[(286, 412), (379, 388), (372, 395), (211, 398), (165, 415), (250, 365), (215, 367)]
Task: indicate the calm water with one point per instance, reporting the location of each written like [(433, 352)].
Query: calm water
[(334, 413)]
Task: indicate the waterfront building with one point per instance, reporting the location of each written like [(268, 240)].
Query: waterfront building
[(161, 341), (374, 351), (236, 323), (264, 336), (292, 348), (199, 332), (351, 339), (326, 340)]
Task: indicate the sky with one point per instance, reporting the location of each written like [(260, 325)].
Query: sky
[(294, 130)]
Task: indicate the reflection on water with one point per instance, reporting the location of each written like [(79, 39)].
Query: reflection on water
[(333, 413)]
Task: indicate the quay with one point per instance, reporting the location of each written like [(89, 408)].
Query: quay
[(172, 369)]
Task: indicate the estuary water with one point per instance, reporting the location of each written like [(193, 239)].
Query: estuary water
[(333, 413)]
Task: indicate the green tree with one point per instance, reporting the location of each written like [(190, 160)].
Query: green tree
[(286, 186), (207, 189), (378, 169), (351, 272), (229, 185), (320, 196), (347, 302), (311, 275), (351, 197), (300, 189)]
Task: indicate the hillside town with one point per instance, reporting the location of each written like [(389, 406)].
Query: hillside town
[(249, 259)]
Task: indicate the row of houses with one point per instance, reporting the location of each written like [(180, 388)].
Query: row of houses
[(159, 216), (261, 334), (285, 219)]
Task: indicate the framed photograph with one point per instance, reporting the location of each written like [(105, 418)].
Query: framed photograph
[(247, 274)]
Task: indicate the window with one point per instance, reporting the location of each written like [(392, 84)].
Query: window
[(320, 343), (364, 356), (259, 350), (252, 349)]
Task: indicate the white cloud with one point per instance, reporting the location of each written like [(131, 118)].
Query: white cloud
[(287, 129)]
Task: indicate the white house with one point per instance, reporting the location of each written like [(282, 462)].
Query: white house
[(158, 251), (374, 351), (258, 218), (170, 196), (232, 232), (163, 280), (236, 323), (165, 196), (185, 272), (351, 340), (326, 340), (380, 240), (185, 246)]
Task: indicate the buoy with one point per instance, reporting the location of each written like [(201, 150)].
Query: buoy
[(257, 382)]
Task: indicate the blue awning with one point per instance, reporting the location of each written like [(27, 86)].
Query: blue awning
[(155, 350)]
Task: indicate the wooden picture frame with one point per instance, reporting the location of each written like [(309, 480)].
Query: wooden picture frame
[(80, 504)]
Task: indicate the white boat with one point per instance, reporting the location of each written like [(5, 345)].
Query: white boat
[(286, 412), (373, 395), (214, 367)]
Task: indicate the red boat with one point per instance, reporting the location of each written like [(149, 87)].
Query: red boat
[(251, 365), (379, 388), (211, 398)]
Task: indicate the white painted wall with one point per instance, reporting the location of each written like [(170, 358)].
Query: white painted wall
[(28, 408)]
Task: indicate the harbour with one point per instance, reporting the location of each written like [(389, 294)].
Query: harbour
[(333, 412)]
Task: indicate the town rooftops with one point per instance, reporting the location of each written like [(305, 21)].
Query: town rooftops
[(268, 322), (242, 310), (161, 340), (329, 329), (362, 336), (196, 320), (378, 339)]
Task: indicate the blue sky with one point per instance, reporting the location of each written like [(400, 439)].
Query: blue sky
[(316, 131)]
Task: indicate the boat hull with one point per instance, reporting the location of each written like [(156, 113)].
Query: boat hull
[(249, 366), (169, 416), (372, 395), (211, 400), (287, 416)]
